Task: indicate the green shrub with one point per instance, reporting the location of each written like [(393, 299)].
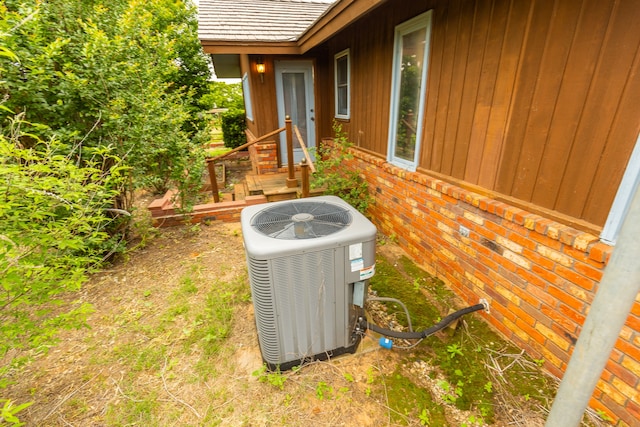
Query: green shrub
[(54, 217), (335, 178), (233, 126)]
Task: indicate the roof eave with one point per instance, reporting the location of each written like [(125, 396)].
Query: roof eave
[(337, 17), (245, 47)]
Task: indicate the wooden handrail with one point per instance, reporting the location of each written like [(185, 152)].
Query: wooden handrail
[(243, 146), (211, 161), (291, 180)]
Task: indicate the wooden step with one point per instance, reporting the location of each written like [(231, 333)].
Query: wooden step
[(240, 190)]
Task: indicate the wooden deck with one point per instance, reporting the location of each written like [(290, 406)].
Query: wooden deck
[(273, 186)]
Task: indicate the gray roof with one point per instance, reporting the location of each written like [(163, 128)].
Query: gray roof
[(258, 20)]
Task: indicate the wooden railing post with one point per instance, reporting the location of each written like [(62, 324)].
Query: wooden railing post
[(211, 166), (291, 180), (304, 166)]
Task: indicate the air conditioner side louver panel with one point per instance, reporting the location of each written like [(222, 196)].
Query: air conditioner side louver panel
[(264, 306)]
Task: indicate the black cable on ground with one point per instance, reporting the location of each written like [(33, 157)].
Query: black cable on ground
[(427, 332)]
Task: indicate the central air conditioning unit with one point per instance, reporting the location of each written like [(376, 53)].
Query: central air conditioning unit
[(309, 262)]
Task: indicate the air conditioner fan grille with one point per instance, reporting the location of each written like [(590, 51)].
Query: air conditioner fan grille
[(301, 220)]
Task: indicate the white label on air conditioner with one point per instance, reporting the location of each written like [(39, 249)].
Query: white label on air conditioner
[(367, 273), (357, 264), (355, 251)]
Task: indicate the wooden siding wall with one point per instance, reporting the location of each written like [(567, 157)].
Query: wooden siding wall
[(371, 67), (535, 100), (263, 95)]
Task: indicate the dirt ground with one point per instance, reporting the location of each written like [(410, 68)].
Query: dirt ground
[(138, 363), (90, 379)]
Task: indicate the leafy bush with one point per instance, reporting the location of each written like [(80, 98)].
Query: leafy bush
[(123, 74), (118, 84), (54, 217), (335, 178), (233, 126), (223, 95)]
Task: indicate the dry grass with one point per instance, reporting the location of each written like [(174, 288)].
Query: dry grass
[(172, 342)]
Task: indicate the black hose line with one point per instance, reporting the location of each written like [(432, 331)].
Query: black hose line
[(427, 332)]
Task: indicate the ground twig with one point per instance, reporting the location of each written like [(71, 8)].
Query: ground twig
[(164, 383)]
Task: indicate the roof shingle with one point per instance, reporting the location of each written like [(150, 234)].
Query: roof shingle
[(258, 20)]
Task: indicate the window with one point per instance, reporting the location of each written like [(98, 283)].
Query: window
[(408, 90), (343, 77), (248, 107)]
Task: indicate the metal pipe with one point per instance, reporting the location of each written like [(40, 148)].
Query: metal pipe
[(400, 303), (610, 308)]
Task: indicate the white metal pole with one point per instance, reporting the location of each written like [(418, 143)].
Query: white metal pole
[(617, 291)]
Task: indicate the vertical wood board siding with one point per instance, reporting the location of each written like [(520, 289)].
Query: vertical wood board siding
[(536, 100)]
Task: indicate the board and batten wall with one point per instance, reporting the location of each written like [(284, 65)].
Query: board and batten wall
[(534, 101)]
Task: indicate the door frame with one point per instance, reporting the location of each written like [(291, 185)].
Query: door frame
[(304, 66)]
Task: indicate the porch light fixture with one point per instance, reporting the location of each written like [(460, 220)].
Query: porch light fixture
[(260, 68)]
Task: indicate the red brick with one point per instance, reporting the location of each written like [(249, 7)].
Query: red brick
[(600, 252), (556, 351), (542, 225), (551, 243), (634, 409), (635, 309), (499, 325), (568, 235), (520, 216), (484, 257), (521, 314), (522, 241), (571, 314), (566, 298), (505, 263), (480, 230), (596, 404), (633, 322), (542, 295), (496, 228), (449, 199), (532, 334), (525, 295), (623, 374), (576, 253), (588, 271), (507, 313), (558, 317), (538, 259), (531, 278), (575, 278), (547, 275), (516, 228), (628, 349), (618, 412)]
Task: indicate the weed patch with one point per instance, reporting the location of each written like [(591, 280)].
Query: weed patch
[(461, 363)]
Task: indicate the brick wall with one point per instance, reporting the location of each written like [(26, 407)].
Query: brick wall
[(164, 212), (264, 157), (539, 276)]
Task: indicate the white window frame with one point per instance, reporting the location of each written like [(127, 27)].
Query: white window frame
[(346, 54), (246, 91), (414, 24), (626, 190)]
